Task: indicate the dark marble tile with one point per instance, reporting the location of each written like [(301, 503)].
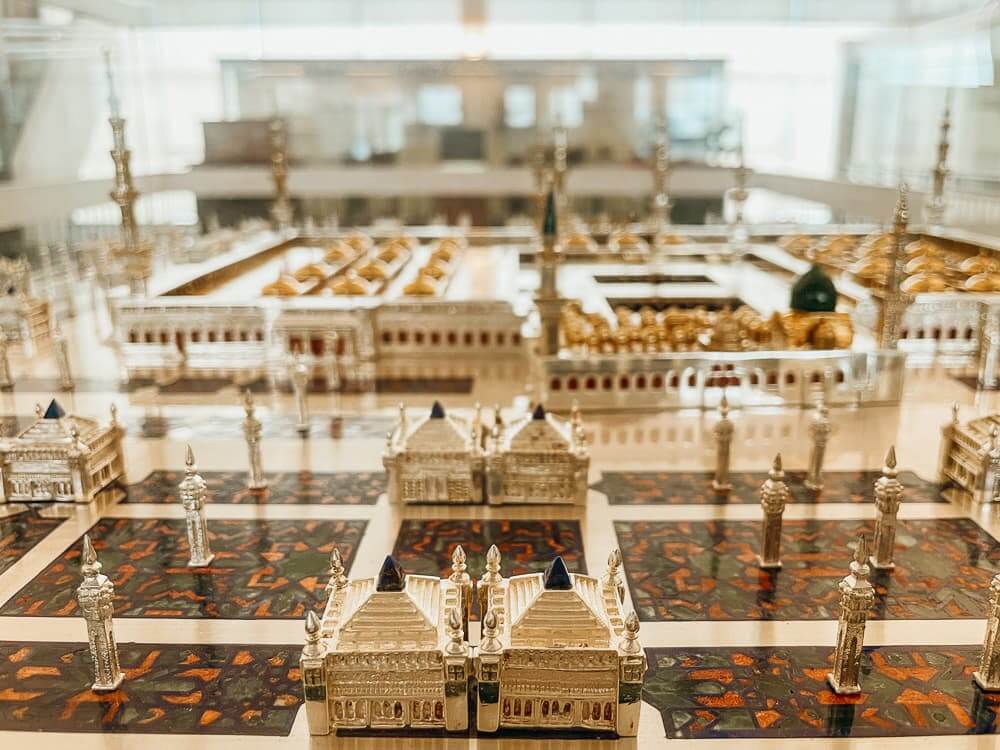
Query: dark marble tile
[(262, 569), (20, 532), (287, 488), (781, 692), (695, 488), (706, 570), (425, 546), (204, 689)]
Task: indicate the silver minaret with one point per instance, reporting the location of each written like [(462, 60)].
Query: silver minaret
[(96, 597), (547, 297), (895, 300), (988, 674), (251, 431), (192, 491), (934, 206), (723, 432), (819, 431), (300, 381), (61, 345), (461, 578), (856, 596), (490, 578), (6, 379), (774, 496), (613, 575), (888, 493), (661, 177)]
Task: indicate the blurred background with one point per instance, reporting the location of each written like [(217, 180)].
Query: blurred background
[(416, 109)]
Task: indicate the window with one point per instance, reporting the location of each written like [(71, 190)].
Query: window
[(519, 106), (566, 106), (439, 104)]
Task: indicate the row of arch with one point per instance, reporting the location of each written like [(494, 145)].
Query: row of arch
[(721, 376), (192, 335), (419, 337), (558, 710)]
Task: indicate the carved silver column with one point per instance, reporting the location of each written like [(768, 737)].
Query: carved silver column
[(96, 598), (988, 674), (312, 666), (894, 299), (281, 209), (338, 580), (661, 177), (6, 379), (888, 494), (488, 663), (774, 495), (723, 432), (613, 575), (547, 297), (252, 429), (631, 670), (988, 357), (461, 578), (819, 431), (490, 578), (934, 206), (61, 346), (192, 491), (856, 596), (300, 381)]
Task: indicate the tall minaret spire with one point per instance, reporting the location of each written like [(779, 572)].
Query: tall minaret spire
[(661, 176), (856, 596), (894, 299), (96, 598), (547, 297), (934, 207)]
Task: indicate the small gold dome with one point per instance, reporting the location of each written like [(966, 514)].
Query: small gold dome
[(924, 282), (285, 285), (870, 268), (669, 238), (351, 284), (391, 251), (580, 242), (433, 270), (921, 246), (983, 282), (982, 263), (422, 286), (359, 241), (627, 242), (314, 271), (796, 244), (929, 263), (339, 251), (373, 270)]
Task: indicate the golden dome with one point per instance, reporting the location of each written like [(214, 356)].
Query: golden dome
[(669, 238), (338, 250), (405, 240), (838, 244), (433, 270), (929, 263), (871, 268), (422, 286), (983, 282), (982, 263), (351, 284), (580, 242), (627, 242), (391, 251), (286, 285), (921, 246), (924, 282), (358, 240), (373, 270), (796, 244), (314, 271)]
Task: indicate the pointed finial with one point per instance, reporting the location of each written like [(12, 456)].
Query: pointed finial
[(861, 551), (458, 558), (248, 402), (189, 464), (776, 470), (114, 414), (493, 557), (954, 413), (615, 559), (312, 648), (490, 622), (456, 633), (312, 624), (890, 459), (38, 411), (489, 643), (724, 406), (89, 564), (337, 578), (630, 638)]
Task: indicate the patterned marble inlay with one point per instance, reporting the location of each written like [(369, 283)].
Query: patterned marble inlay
[(262, 569), (288, 488), (20, 532), (706, 570), (773, 692), (203, 689), (695, 488)]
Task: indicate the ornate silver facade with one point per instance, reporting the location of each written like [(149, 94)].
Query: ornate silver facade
[(96, 598), (970, 456), (856, 596), (61, 457)]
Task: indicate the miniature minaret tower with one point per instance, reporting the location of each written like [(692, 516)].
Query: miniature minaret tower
[(134, 254), (6, 379), (934, 206), (251, 431), (856, 596), (774, 496), (337, 580), (661, 177), (281, 209), (490, 653), (461, 578), (948, 432), (819, 431), (613, 575), (632, 668), (894, 299), (300, 380), (456, 661), (312, 666), (723, 432), (560, 152), (61, 345), (490, 578), (988, 674), (547, 297), (96, 597), (888, 493), (192, 491)]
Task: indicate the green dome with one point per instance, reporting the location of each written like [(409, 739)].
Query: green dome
[(814, 292)]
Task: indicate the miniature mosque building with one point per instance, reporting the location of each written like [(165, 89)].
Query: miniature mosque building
[(557, 653), (61, 457), (539, 458), (434, 459), (389, 653), (970, 456)]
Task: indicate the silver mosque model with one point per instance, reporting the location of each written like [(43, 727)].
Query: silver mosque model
[(539, 458), (62, 457), (970, 456), (556, 652)]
